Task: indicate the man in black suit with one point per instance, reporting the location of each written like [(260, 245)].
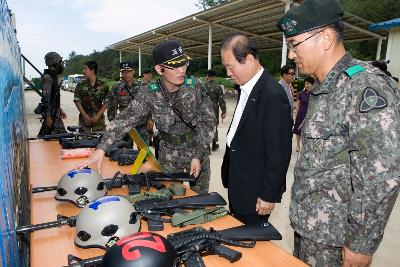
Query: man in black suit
[(259, 140)]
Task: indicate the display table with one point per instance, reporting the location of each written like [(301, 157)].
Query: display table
[(50, 247)]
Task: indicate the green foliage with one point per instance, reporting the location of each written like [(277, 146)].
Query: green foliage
[(206, 4)]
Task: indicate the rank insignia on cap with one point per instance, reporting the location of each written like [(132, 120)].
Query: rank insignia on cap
[(372, 100), (289, 26)]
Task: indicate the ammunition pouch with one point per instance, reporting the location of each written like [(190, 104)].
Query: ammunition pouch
[(177, 139)]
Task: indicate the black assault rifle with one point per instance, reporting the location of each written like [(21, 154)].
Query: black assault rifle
[(194, 243), (73, 139), (61, 220), (153, 209), (134, 181)]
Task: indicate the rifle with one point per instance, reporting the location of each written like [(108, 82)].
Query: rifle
[(61, 220), (153, 209), (194, 243), (136, 181), (74, 138), (74, 261)]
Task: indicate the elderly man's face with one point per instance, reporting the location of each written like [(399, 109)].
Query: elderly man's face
[(307, 52), (240, 73)]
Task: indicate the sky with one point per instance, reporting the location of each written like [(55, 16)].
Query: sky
[(86, 25)]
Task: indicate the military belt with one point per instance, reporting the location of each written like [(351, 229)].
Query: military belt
[(177, 139)]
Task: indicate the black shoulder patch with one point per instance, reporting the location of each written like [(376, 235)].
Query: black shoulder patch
[(371, 100)]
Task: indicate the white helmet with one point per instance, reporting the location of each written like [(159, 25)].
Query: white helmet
[(103, 222), (81, 186)]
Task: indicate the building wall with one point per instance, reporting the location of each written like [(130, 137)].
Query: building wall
[(393, 52), (14, 197)]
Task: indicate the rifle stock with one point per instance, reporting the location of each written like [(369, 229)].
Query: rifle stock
[(256, 232)]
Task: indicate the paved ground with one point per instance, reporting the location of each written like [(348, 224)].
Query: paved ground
[(387, 255)]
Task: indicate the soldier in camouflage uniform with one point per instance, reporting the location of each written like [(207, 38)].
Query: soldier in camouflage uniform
[(53, 114), (217, 97), (122, 94), (90, 98), (346, 179), (185, 138), (146, 77)]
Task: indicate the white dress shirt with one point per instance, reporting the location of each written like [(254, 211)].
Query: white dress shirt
[(245, 91)]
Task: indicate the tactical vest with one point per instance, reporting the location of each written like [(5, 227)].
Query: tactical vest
[(55, 94)]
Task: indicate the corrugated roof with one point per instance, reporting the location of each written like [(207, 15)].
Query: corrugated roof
[(257, 18), (384, 25)]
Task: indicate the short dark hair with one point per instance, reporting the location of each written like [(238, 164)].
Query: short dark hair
[(379, 64), (241, 46), (211, 73), (92, 65), (338, 28), (285, 69), (309, 79)]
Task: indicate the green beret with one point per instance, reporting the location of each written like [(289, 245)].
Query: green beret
[(310, 15)]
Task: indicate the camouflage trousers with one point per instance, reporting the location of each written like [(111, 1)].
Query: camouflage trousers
[(99, 126), (215, 140), (316, 254), (179, 160)]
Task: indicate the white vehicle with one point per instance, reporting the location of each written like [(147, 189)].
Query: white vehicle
[(73, 80), (64, 85)]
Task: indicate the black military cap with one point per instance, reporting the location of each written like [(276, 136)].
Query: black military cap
[(170, 53), (146, 71), (211, 73), (125, 66), (310, 15)]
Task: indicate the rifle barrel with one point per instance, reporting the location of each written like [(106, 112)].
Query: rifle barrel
[(43, 189)]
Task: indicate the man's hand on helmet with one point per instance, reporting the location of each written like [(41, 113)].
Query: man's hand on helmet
[(97, 156)]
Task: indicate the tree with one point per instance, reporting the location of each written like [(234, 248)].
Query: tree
[(206, 4)]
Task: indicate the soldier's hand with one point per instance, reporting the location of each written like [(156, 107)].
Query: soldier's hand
[(86, 120), (263, 207), (97, 156), (150, 124), (223, 115), (49, 121), (195, 167), (352, 259), (94, 119)]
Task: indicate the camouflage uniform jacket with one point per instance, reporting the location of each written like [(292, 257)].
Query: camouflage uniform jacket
[(119, 98), (191, 100), (92, 98), (346, 179), (217, 96)]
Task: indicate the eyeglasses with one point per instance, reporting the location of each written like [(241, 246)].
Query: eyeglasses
[(291, 73), (185, 65), (292, 46)]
